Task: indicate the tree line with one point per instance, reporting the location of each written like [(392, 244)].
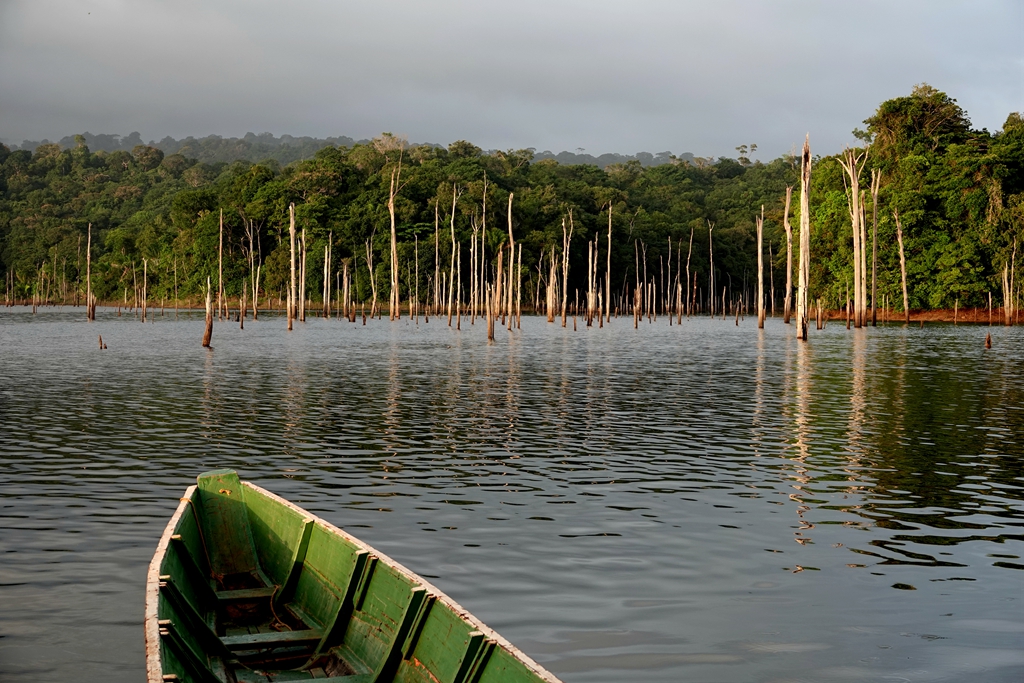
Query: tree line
[(403, 222)]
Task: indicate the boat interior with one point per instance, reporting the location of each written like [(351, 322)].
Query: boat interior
[(253, 589)]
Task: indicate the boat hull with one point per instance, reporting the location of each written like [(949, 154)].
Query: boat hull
[(247, 587)]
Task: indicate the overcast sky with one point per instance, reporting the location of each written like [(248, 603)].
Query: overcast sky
[(621, 76)]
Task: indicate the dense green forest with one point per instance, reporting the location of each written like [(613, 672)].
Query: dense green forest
[(959, 193)]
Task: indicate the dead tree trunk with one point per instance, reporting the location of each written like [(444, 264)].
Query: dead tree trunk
[(876, 182), (552, 292), (803, 274), (241, 307), (302, 276), (220, 270), (472, 270), (451, 272), (90, 306), (437, 259), (291, 287), (345, 303), (591, 272), (1012, 290), (787, 307), (327, 277), (711, 269), (852, 163), (688, 255), (511, 263), (145, 292), (566, 241), (208, 334), (519, 289), (760, 269), (608, 272), (373, 279), (490, 313), (393, 301), (903, 266)]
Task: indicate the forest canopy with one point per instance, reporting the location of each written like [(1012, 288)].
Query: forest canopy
[(959, 193)]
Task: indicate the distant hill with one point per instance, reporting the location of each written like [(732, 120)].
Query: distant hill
[(287, 149)]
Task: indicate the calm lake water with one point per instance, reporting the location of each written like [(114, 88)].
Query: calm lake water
[(702, 502)]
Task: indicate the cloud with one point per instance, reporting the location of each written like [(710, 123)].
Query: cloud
[(559, 74)]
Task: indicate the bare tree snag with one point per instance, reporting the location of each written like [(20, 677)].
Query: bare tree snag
[(760, 269), (903, 266), (608, 271), (327, 277), (853, 163), (291, 287), (511, 263), (145, 293), (876, 183), (552, 291), (373, 279), (220, 269), (451, 276), (490, 314), (519, 289), (688, 255), (803, 273), (90, 306), (711, 269), (787, 306), (416, 255), (387, 144), (302, 276), (208, 334), (566, 241), (437, 258)]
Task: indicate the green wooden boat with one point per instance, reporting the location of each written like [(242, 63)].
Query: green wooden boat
[(246, 587)]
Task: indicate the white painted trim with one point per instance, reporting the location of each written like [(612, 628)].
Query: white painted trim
[(154, 667)]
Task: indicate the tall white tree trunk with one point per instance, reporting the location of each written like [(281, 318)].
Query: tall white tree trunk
[(803, 274), (291, 287), (903, 267), (760, 269), (787, 308)]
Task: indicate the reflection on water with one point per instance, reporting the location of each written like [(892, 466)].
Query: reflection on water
[(696, 502)]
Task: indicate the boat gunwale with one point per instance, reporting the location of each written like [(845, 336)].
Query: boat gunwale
[(433, 590), (154, 665)]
